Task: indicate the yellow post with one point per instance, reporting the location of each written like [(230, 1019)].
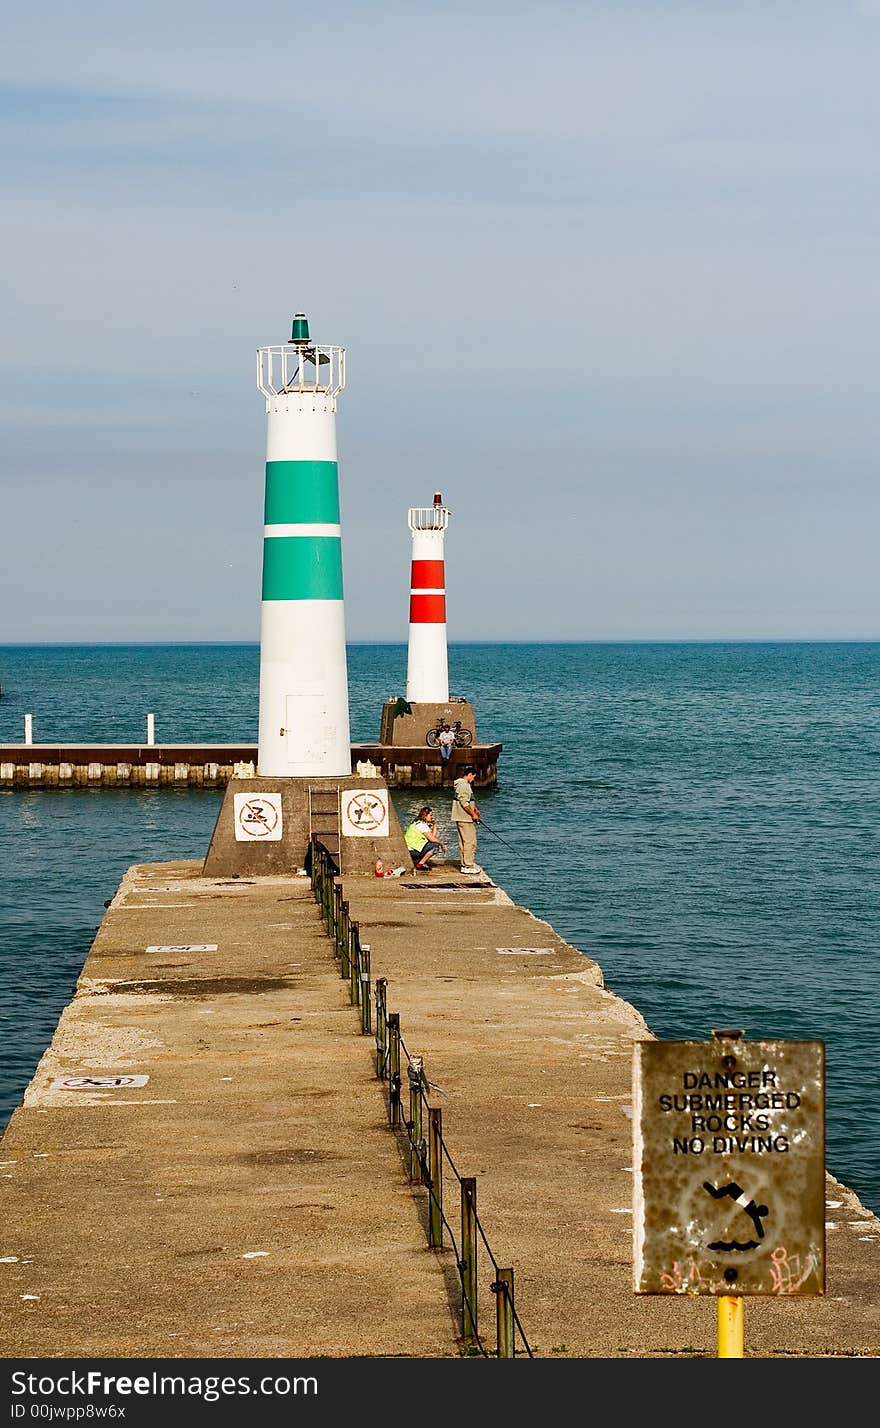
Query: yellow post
[(730, 1326)]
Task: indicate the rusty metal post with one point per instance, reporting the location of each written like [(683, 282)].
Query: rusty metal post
[(354, 962), (325, 893), (381, 1027), (366, 1010), (435, 1177), (414, 1071), (328, 898), (394, 1069), (469, 1260), (503, 1290), (344, 938), (337, 916)]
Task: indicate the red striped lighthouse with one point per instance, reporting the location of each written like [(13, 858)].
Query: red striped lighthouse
[(427, 675)]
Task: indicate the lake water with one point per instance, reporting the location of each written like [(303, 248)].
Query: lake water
[(701, 819)]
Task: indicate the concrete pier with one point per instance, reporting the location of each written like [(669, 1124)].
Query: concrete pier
[(249, 1199)]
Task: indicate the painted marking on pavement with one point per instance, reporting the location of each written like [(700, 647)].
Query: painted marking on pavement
[(90, 1083), (185, 947)]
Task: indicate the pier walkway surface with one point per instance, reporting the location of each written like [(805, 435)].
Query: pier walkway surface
[(251, 1201)]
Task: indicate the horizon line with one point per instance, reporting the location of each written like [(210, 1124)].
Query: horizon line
[(496, 640)]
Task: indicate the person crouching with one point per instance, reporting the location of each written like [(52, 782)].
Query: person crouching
[(420, 837)]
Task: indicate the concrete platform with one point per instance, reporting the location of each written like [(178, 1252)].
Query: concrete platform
[(250, 1200)]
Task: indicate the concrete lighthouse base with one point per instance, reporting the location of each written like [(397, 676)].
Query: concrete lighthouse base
[(406, 757), (265, 826), (412, 728)]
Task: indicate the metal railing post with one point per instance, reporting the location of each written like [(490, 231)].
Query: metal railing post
[(469, 1260), (354, 961), (337, 917), (344, 940), (394, 1068), (416, 1081), (381, 1026), (366, 1010), (327, 885), (435, 1177), (503, 1290)]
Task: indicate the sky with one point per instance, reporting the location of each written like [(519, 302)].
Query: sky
[(605, 272)]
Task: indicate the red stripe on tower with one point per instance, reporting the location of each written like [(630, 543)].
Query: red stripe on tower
[(427, 676), (427, 575), (427, 609)]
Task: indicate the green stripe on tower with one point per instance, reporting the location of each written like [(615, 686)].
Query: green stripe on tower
[(302, 492), (302, 568)]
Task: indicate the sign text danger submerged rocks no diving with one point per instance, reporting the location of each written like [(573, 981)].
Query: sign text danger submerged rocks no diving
[(729, 1163)]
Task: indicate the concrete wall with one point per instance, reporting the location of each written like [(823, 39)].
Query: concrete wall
[(410, 729), (228, 856)]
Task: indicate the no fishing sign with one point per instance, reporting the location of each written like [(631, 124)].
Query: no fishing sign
[(729, 1164)]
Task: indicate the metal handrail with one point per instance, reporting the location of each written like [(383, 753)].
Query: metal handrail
[(426, 1152)]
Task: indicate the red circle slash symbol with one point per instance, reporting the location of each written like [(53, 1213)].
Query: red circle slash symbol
[(366, 811), (257, 818)]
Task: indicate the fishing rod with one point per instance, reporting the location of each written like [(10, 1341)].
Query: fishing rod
[(480, 824), (488, 829)]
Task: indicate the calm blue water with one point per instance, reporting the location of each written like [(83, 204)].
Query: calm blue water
[(702, 819)]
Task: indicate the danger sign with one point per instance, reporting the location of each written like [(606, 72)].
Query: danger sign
[(729, 1162), (258, 817), (365, 813)]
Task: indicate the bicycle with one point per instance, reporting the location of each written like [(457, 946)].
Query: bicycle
[(463, 737)]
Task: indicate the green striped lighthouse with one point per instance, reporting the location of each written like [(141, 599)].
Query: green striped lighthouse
[(304, 727)]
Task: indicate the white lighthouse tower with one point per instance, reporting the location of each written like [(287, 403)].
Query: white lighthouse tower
[(304, 724), (417, 720), (302, 795), (427, 674)]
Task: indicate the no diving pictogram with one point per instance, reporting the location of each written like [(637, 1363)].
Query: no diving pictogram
[(258, 817)]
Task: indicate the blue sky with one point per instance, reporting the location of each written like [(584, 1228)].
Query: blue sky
[(605, 273)]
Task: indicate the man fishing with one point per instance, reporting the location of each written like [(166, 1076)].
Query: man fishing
[(466, 816)]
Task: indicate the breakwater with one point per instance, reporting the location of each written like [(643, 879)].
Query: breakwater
[(209, 1107), (203, 765)]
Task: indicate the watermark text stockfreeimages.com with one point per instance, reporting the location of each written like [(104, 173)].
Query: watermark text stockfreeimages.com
[(75, 1384)]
